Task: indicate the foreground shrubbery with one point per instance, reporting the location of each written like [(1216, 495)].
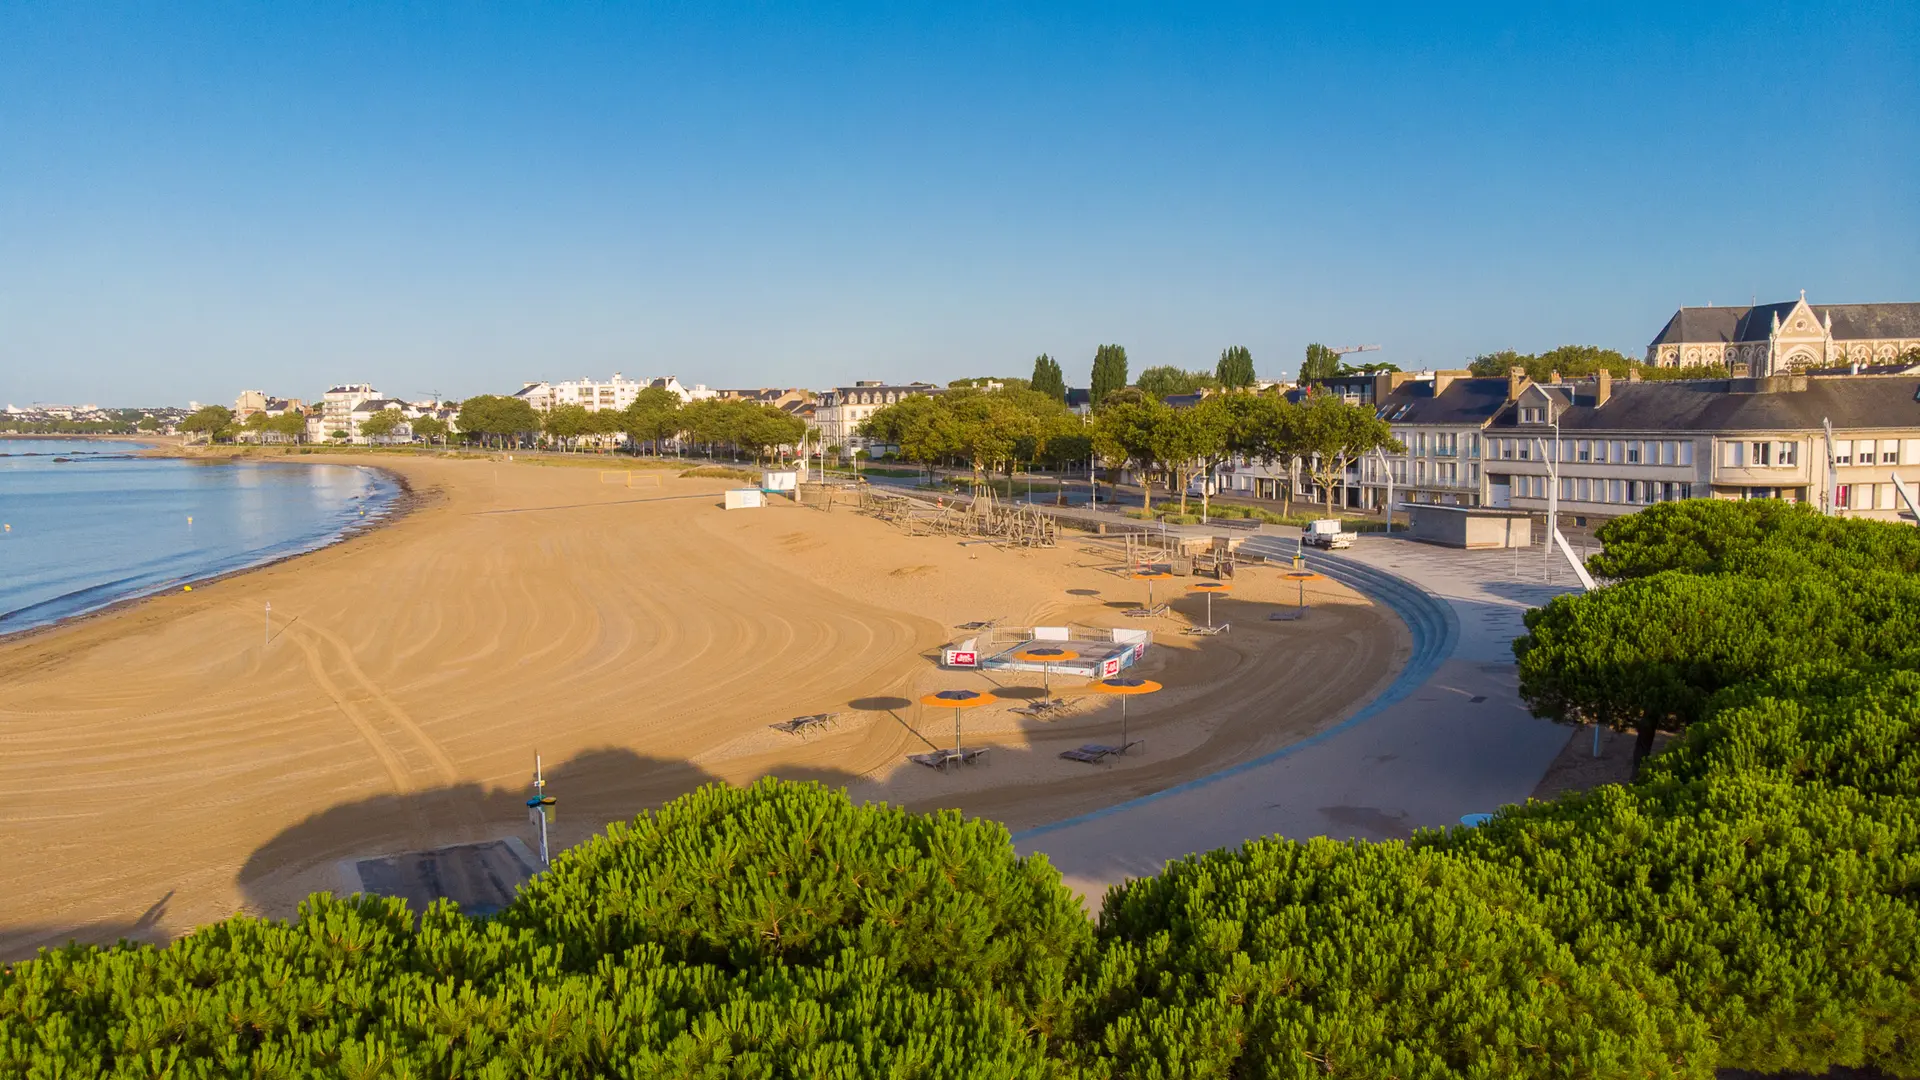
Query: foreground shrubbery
[(1753, 900)]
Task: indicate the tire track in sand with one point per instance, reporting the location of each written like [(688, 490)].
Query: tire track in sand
[(316, 667), (442, 763)]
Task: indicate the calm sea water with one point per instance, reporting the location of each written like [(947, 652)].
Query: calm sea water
[(88, 523)]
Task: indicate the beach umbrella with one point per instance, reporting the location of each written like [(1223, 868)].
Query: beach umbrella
[(1046, 656), (1150, 576), (1302, 576), (1209, 588), (959, 701), (1126, 688)]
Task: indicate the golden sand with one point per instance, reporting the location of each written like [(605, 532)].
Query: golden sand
[(165, 768)]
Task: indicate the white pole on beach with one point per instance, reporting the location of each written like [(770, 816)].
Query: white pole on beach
[(268, 640), (540, 809)]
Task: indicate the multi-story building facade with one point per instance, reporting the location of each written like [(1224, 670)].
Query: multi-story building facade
[(1787, 337), (613, 395), (336, 410), (1612, 448), (838, 413)]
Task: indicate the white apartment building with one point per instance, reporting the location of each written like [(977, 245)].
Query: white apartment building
[(615, 394), (336, 410), (838, 413)]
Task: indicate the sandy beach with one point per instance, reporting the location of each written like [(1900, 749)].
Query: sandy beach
[(168, 767)]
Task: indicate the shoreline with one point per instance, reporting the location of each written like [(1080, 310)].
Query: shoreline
[(403, 502)]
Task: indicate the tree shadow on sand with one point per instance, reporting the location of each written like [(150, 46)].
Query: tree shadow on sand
[(593, 788)]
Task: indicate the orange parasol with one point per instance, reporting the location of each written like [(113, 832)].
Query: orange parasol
[(1302, 576), (1209, 588), (1126, 688), (958, 701), (1046, 656), (1150, 576)]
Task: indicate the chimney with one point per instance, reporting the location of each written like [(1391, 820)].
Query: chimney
[(1442, 380), (1553, 378), (1603, 388), (1633, 374), (1517, 382)]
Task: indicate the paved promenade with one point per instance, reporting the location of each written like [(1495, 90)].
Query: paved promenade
[(1449, 737)]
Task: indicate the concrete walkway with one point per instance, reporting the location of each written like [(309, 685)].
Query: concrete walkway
[(1448, 737)]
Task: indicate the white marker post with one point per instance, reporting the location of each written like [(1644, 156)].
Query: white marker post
[(268, 640), (539, 808)]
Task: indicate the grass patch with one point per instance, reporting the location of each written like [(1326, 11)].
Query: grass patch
[(720, 472)]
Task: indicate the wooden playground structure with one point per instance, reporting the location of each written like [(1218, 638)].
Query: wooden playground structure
[(982, 518), (1134, 552)]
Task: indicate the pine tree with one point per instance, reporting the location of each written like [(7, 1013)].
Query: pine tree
[(1235, 370), (1109, 371)]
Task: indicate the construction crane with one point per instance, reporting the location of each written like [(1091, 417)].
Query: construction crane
[(1345, 349)]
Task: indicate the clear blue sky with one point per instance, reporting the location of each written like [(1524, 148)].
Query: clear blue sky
[(459, 197)]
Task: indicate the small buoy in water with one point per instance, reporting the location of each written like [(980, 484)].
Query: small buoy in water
[(189, 519), (9, 528)]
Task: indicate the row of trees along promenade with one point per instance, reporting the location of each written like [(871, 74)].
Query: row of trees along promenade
[(1747, 901), (1028, 424)]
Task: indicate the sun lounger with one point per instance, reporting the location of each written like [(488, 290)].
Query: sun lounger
[(1092, 753), (1146, 612), (1216, 628), (800, 725), (940, 759)]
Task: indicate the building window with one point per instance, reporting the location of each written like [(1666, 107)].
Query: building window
[(1730, 455), (1566, 487), (1524, 451), (1583, 451), (1863, 451), (1613, 491), (1762, 455), (1633, 453), (1843, 453), (1686, 455), (1473, 445), (1843, 495), (1787, 454), (1889, 453), (1616, 452), (1533, 415)]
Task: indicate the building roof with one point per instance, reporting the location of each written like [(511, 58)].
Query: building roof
[(1696, 405), (1461, 401), (1851, 322), (1079, 398), (1854, 322)]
